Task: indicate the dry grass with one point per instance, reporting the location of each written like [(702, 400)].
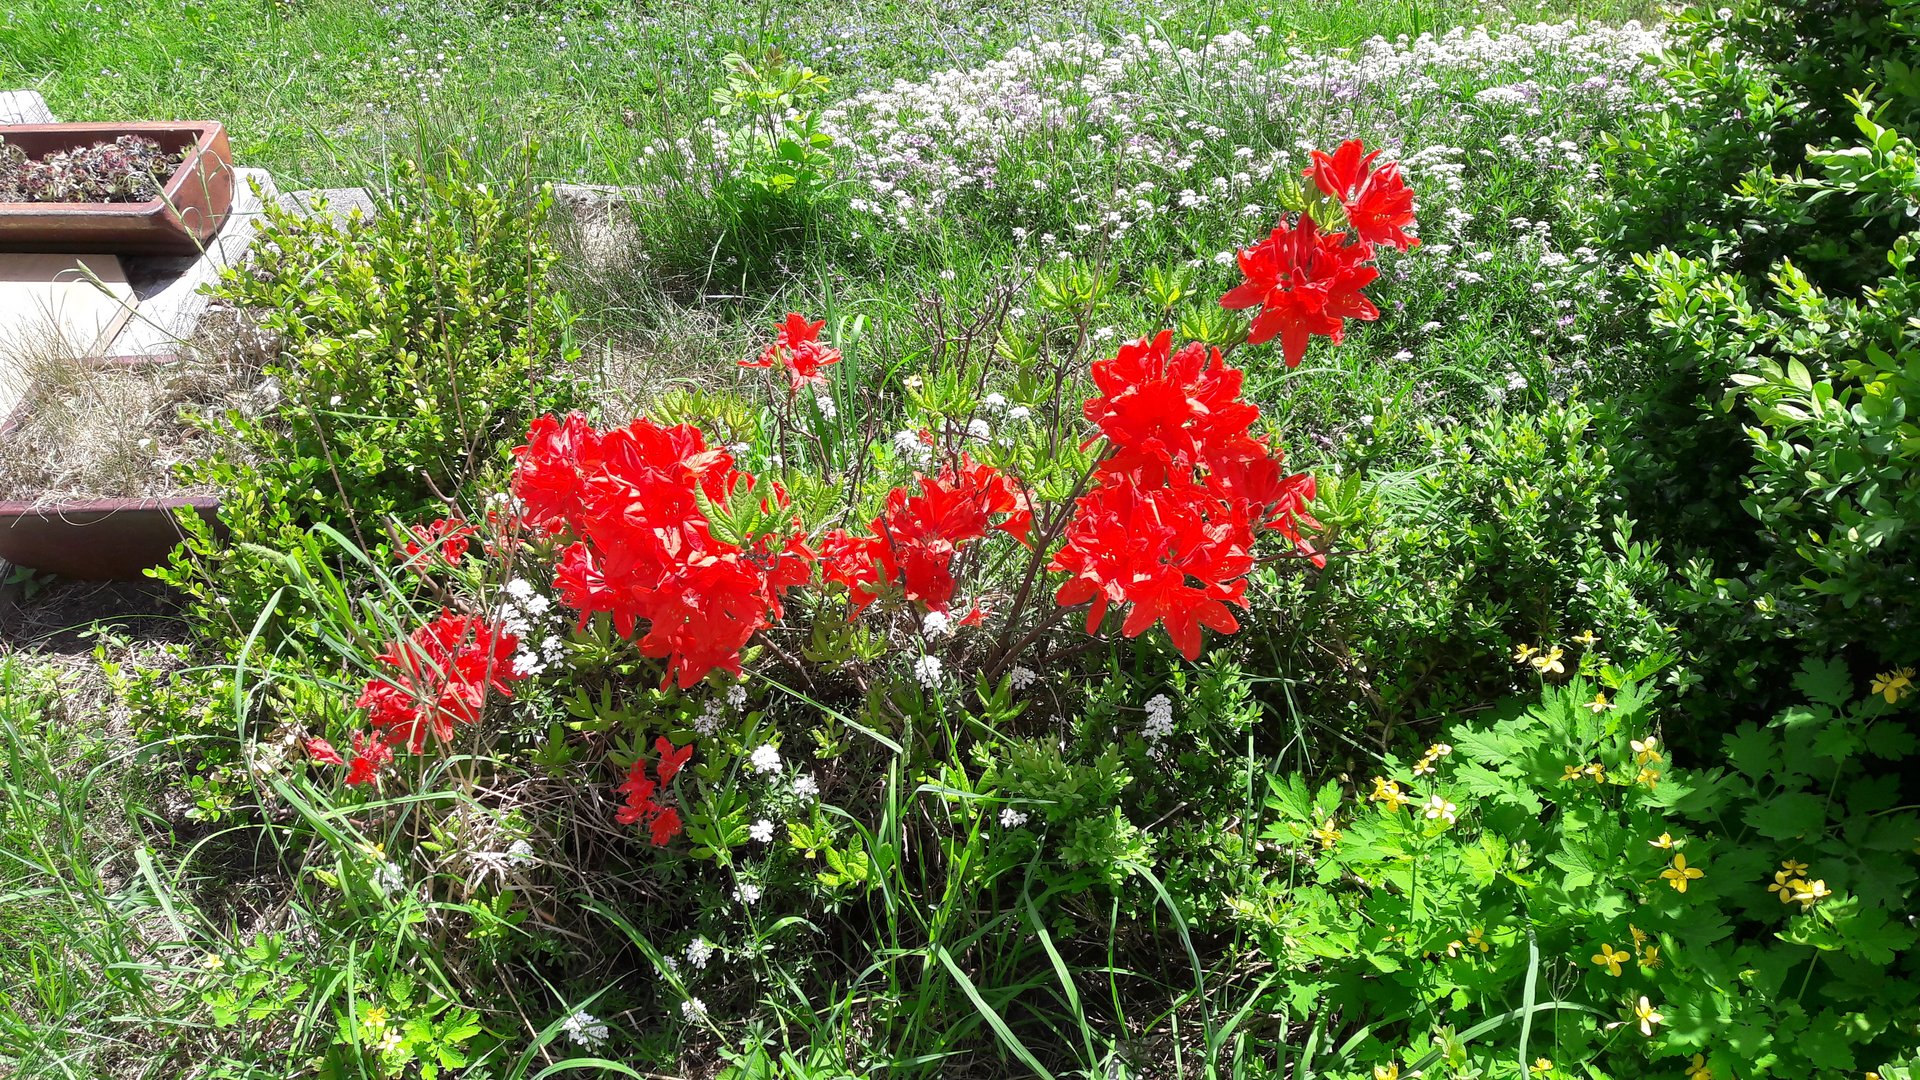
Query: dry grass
[(86, 429)]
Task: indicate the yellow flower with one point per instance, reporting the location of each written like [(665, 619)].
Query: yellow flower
[(1697, 1068), (1893, 685), (1541, 1066), (1439, 750), (1523, 653), (1326, 834), (1645, 750), (1648, 1016), (1794, 867), (1650, 957), (1663, 841), (1477, 938), (1423, 767), (1388, 791), (1386, 1072), (1572, 773), (1611, 960), (1598, 773), (1783, 883), (1599, 704), (374, 1019), (1809, 895), (1639, 935), (1454, 947), (1548, 663), (1680, 873), (1438, 809), (213, 962), (1586, 639), (1648, 777)]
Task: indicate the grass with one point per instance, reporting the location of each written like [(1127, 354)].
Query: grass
[(327, 916)]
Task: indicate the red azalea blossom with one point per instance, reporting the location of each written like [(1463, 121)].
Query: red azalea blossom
[(1305, 282), (914, 541), (1169, 526), (663, 822), (797, 350), (1378, 202), (322, 752), (444, 670), (370, 755), (642, 548), (448, 535)]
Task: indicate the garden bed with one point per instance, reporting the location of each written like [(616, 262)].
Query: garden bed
[(186, 211)]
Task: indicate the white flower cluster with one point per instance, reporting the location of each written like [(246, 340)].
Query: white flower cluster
[(719, 710), (529, 616), (1159, 723), (1022, 677), (765, 759), (699, 951), (928, 670), (1011, 818), (585, 1030)]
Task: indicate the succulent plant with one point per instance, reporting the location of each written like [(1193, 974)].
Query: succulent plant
[(131, 168)]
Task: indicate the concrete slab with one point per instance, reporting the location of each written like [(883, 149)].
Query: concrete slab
[(169, 288), (24, 107), (56, 307), (340, 202)]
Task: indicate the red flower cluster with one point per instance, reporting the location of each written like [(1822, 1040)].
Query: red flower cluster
[(914, 541), (1169, 525), (442, 673), (662, 822), (449, 535), (1308, 282), (1378, 202), (797, 350), (643, 549)]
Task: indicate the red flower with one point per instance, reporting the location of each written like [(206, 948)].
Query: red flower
[(643, 551), (663, 822), (1169, 412), (670, 759), (1168, 529), (914, 541), (1305, 282), (443, 672), (449, 535), (666, 826), (370, 755), (1174, 553), (1378, 202), (323, 753), (797, 350)]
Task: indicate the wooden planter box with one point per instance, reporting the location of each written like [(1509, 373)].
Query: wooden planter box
[(191, 208), (94, 539)]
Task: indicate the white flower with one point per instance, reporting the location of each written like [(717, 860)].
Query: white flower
[(388, 879), (994, 402), (936, 624), (765, 759), (693, 1009), (979, 429), (1019, 412), (747, 893), (806, 787), (520, 589), (1159, 718), (520, 852), (699, 951), (908, 444), (1438, 809), (761, 831), (737, 696), (584, 1030), (1022, 677), (928, 670), (1011, 818)]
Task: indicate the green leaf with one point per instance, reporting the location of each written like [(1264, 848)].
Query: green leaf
[(1788, 816)]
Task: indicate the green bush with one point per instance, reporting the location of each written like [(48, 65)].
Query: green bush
[(409, 353), (1535, 882)]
